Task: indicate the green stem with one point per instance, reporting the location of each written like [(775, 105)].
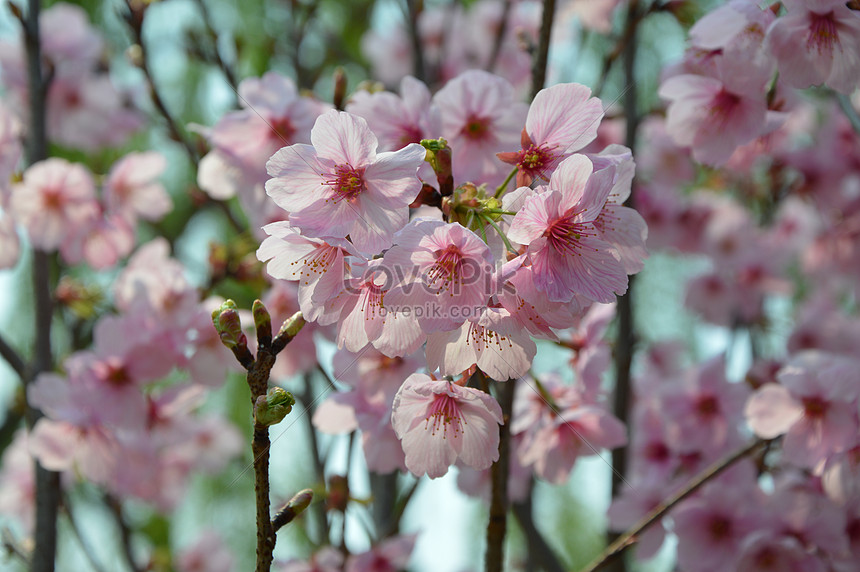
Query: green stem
[(500, 190)]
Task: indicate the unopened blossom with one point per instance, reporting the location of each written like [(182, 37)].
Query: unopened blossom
[(817, 42), (567, 253), (561, 120), (55, 199), (340, 186), (444, 273), (480, 118), (440, 422), (132, 187)]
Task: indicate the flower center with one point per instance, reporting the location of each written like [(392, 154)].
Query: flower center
[(347, 182), (536, 161), (476, 128), (447, 266), (720, 527), (564, 235), (822, 32), (282, 129), (444, 412), (814, 407)]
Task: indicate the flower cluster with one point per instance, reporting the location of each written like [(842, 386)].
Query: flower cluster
[(471, 282)]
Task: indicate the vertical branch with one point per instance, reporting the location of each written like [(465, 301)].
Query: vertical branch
[(500, 37), (539, 65), (258, 381), (47, 482), (418, 67), (497, 527), (626, 336)]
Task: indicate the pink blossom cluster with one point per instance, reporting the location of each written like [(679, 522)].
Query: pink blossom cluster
[(85, 109), (110, 418), (57, 204), (731, 87), (688, 418), (471, 283)]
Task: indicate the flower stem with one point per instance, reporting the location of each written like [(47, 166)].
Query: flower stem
[(500, 190)]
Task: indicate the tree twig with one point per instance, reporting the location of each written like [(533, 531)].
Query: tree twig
[(629, 538), (213, 36), (418, 64), (540, 62), (14, 360), (497, 527), (540, 554), (115, 507), (626, 327), (76, 530), (500, 37)]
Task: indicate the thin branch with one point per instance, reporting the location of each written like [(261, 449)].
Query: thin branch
[(540, 554), (13, 547), (629, 538), (229, 75), (115, 507), (539, 64), (500, 37), (85, 546), (418, 64), (12, 357), (497, 527), (306, 397)]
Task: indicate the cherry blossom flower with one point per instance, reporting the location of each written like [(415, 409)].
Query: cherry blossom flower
[(133, 190), (561, 120), (493, 340), (399, 120), (320, 267), (479, 119), (815, 405), (439, 422), (340, 186), (559, 432), (817, 42), (55, 199), (566, 251), (444, 273)]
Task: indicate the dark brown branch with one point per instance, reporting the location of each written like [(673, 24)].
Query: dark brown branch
[(418, 64), (629, 538), (14, 360), (540, 554), (47, 482), (497, 527), (115, 507), (500, 37), (540, 61), (626, 327)]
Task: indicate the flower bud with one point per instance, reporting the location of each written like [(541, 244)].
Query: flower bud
[(270, 409), (228, 325), (338, 493), (263, 323), (288, 331)]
